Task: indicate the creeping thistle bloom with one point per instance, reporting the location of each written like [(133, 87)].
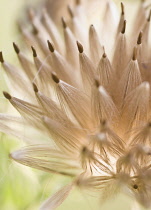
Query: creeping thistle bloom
[(87, 91)]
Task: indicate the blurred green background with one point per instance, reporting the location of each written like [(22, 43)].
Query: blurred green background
[(22, 188)]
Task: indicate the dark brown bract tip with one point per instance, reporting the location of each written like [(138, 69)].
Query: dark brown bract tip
[(124, 27), (16, 48), (97, 83), (7, 95), (103, 122), (54, 77), (122, 9), (134, 57), (135, 186), (91, 26), (149, 17), (50, 46), (91, 29), (103, 125), (35, 88), (104, 55), (139, 40), (34, 52), (64, 23), (34, 30), (80, 47), (1, 57), (84, 149)]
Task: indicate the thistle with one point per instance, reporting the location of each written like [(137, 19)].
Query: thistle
[(87, 92)]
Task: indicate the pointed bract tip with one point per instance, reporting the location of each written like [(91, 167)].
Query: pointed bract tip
[(50, 46), (54, 77), (84, 150), (64, 24), (122, 9), (103, 125), (104, 55), (149, 17), (80, 47), (7, 95), (139, 40), (124, 27), (35, 88), (35, 30), (91, 26), (16, 48), (135, 186), (34, 52), (103, 49), (134, 57), (103, 122), (1, 57), (96, 82)]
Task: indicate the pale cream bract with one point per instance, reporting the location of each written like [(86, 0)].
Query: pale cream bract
[(87, 89)]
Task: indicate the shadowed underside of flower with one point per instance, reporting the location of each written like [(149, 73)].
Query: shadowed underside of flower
[(88, 91)]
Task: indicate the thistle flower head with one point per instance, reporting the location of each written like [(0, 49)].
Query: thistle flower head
[(88, 91)]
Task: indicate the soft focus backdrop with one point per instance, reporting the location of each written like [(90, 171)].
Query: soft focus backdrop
[(22, 188)]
